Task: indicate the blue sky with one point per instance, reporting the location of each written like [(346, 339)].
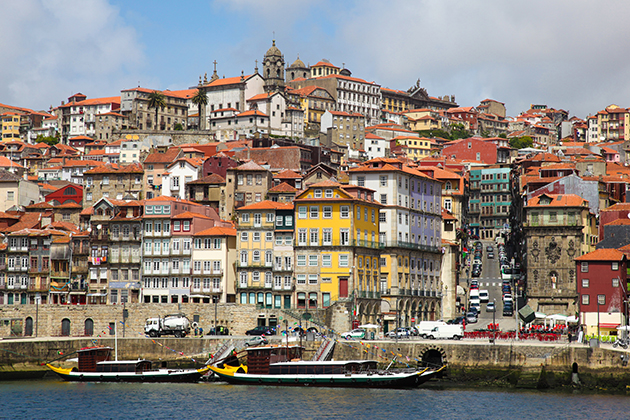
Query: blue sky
[(569, 54)]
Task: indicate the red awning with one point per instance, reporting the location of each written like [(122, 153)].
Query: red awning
[(603, 325)]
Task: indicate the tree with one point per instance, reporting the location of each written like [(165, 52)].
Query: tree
[(49, 140), (521, 142), (157, 100), (459, 131), (201, 100)]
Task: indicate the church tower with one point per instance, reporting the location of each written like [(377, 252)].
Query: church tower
[(273, 69)]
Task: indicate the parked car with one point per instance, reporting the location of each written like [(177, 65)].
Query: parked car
[(402, 332), (357, 333), (490, 307), (476, 273), (508, 309), (260, 330), (489, 248), (458, 320), (491, 255), (256, 341), (484, 296), (471, 317)]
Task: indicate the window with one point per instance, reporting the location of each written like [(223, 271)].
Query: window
[(270, 218), (257, 219), (383, 198), (584, 267), (314, 212), (327, 210), (312, 260), (302, 236), (301, 212), (586, 299), (312, 279), (358, 210), (301, 260), (345, 212), (326, 260), (244, 236), (327, 236), (256, 236), (279, 220), (301, 279), (615, 266), (317, 193), (585, 283), (245, 218), (328, 194), (601, 299), (343, 260), (361, 181), (314, 236), (383, 180)]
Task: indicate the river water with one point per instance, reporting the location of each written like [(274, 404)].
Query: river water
[(53, 399)]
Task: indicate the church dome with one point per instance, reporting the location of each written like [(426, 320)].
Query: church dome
[(273, 51), (298, 64)]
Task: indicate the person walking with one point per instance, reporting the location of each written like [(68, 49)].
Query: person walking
[(200, 332)]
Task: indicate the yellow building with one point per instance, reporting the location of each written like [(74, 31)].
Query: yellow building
[(424, 119), (613, 123), (265, 255), (10, 126), (414, 147), (337, 249)]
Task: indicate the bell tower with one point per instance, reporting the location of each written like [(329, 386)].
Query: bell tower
[(273, 69)]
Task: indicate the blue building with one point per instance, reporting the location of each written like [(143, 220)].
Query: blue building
[(490, 199)]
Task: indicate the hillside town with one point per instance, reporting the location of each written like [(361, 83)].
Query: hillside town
[(216, 194)]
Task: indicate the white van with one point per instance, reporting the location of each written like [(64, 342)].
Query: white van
[(474, 294), (425, 327), (452, 332), (484, 296)]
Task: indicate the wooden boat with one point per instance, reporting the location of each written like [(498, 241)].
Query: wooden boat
[(282, 366), (95, 366)]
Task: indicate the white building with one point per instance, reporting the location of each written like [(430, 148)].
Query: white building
[(376, 146), (231, 92), (178, 174)]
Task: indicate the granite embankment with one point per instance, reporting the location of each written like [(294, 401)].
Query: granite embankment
[(470, 362)]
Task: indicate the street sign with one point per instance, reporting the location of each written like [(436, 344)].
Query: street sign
[(413, 319)]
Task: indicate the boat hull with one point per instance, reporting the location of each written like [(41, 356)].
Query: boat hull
[(355, 380), (161, 375)]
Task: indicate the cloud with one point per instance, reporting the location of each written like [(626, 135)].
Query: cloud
[(52, 49)]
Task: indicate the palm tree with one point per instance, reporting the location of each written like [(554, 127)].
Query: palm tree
[(157, 100), (201, 100)]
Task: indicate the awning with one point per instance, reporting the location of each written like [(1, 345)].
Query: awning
[(78, 292), (97, 294), (606, 325), (124, 285)]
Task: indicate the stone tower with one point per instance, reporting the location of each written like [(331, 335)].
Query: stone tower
[(273, 69), (298, 69)]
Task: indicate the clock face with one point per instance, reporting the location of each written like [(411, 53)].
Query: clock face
[(279, 63)]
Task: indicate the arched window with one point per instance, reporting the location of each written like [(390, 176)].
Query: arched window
[(448, 186), (89, 327), (28, 327), (70, 191), (301, 300), (65, 327)]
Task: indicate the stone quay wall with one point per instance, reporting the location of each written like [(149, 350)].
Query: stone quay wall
[(47, 319)]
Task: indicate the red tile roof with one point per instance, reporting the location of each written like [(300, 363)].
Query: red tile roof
[(268, 205), (558, 200), (217, 231), (112, 168), (604, 254)]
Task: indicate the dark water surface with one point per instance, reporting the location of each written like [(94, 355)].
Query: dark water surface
[(52, 399)]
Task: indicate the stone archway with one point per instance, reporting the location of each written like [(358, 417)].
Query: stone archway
[(433, 356)]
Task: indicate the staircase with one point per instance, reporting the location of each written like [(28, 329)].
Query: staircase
[(223, 352), (325, 351), (299, 317)]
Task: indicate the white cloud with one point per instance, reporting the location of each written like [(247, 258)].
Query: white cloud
[(52, 49)]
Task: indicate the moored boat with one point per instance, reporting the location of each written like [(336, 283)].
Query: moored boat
[(282, 366), (95, 366)]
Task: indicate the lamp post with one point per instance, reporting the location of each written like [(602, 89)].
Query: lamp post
[(494, 329), (598, 320)]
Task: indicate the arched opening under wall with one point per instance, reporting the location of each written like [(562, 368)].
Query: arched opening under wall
[(28, 327), (433, 357), (65, 327)]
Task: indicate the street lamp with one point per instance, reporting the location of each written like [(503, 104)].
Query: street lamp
[(494, 329), (597, 320)]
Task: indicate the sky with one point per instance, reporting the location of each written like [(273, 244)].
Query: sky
[(567, 54)]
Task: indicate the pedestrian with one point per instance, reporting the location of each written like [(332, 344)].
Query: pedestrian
[(200, 332), (570, 338), (196, 331)]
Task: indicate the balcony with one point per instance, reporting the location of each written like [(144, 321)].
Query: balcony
[(62, 274), (366, 244), (409, 245), (368, 294)]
